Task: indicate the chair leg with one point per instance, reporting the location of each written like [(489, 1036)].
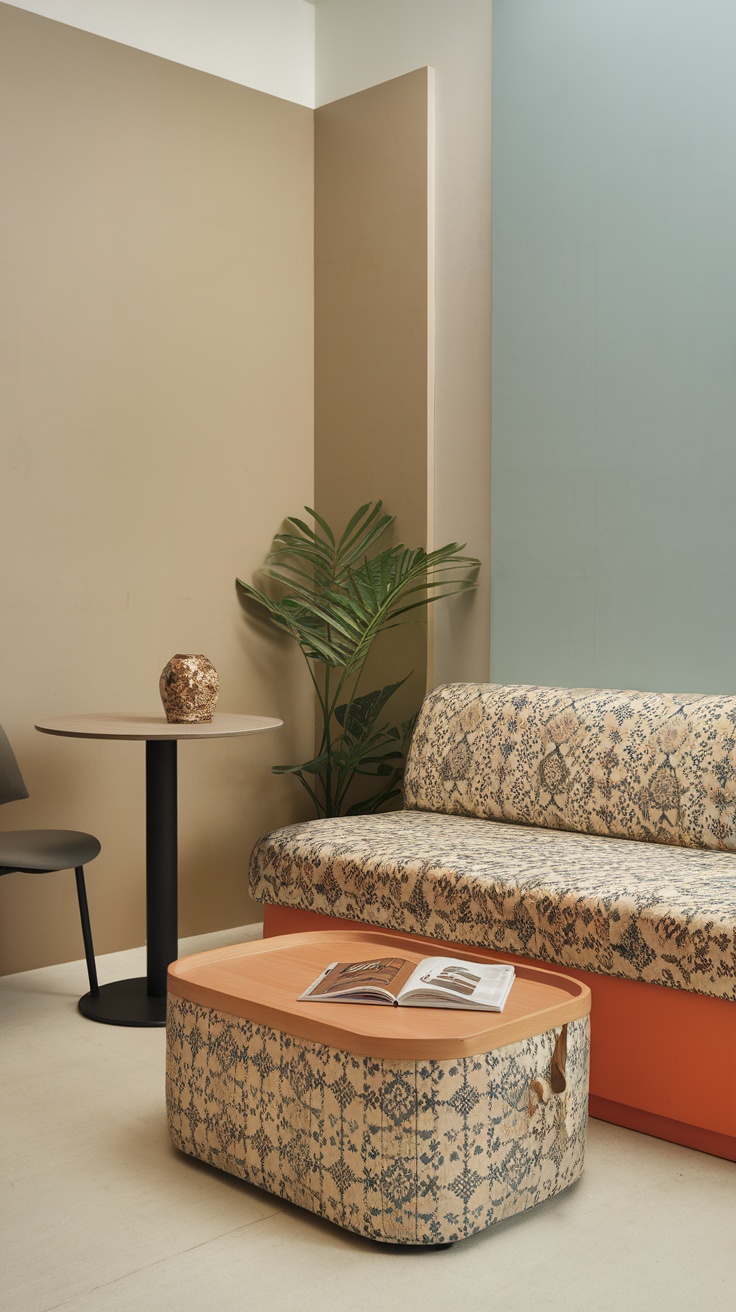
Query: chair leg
[(89, 951)]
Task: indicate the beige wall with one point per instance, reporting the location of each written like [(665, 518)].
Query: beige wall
[(157, 423), (372, 330), (359, 44)]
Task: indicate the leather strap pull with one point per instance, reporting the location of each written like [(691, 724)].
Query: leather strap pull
[(557, 1080)]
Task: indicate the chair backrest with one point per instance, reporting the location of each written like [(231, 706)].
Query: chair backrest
[(12, 787)]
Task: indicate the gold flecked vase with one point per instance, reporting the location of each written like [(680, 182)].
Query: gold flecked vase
[(189, 685)]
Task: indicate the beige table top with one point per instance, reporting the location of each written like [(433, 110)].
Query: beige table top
[(154, 727), (261, 981)]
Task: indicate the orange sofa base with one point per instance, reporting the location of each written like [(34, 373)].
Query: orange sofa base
[(662, 1061)]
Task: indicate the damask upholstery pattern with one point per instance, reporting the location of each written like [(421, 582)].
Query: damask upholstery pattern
[(651, 766), (646, 911), (403, 1152)]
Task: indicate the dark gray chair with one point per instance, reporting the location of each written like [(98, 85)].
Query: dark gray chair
[(40, 851)]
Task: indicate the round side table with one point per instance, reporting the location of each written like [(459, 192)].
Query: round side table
[(143, 1001)]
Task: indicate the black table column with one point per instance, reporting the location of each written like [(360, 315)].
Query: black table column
[(161, 864)]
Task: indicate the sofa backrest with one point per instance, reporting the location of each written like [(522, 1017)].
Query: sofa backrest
[(654, 766)]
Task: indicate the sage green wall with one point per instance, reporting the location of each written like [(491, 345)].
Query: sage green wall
[(614, 343)]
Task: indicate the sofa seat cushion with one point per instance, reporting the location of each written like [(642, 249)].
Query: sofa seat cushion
[(644, 911)]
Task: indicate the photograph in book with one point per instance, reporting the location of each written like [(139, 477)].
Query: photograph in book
[(398, 982)]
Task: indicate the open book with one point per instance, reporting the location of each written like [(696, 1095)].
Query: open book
[(394, 981)]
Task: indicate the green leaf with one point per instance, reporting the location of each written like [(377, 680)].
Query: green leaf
[(355, 520), (370, 805), (307, 767), (366, 525), (291, 539), (358, 716), (323, 525)]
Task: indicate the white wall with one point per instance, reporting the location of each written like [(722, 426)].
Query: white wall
[(359, 44), (264, 44)]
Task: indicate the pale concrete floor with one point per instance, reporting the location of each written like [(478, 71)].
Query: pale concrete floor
[(101, 1214)]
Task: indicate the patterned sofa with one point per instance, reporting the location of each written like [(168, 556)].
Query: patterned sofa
[(589, 830)]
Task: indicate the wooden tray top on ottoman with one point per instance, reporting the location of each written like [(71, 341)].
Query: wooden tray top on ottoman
[(405, 1125)]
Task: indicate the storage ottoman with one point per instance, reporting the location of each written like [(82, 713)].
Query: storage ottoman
[(408, 1126)]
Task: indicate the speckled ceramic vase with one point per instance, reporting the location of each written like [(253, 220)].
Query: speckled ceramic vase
[(189, 686)]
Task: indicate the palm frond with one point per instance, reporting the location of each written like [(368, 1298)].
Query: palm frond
[(334, 596)]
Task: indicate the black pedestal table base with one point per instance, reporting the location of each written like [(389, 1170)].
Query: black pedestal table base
[(143, 1001), (124, 1002)]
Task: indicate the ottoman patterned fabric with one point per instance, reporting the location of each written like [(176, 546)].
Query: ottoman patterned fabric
[(654, 766), (406, 1152), (644, 911)]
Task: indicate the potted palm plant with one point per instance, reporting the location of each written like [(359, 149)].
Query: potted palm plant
[(334, 596)]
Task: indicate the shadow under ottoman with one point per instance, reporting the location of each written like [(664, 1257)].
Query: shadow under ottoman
[(405, 1125)]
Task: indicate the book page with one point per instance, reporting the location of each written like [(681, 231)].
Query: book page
[(450, 982), (379, 980)]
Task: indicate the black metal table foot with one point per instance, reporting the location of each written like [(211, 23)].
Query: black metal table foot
[(124, 1002)]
